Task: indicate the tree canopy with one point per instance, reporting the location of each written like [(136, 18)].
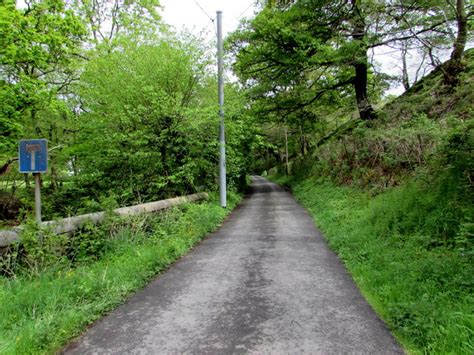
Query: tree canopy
[(295, 55)]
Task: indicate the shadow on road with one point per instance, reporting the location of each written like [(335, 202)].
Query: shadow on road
[(261, 186)]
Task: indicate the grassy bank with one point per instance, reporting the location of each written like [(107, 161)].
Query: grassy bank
[(49, 300), (423, 290)]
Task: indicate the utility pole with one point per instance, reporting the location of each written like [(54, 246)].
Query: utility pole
[(286, 150), (220, 88)]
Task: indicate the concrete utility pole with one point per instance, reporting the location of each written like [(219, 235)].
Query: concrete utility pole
[(286, 150), (220, 73)]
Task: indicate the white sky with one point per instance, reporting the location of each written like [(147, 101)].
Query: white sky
[(187, 13)]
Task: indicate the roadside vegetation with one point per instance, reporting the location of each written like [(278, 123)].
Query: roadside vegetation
[(51, 291)]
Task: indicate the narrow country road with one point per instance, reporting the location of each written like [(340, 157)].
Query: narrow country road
[(266, 282)]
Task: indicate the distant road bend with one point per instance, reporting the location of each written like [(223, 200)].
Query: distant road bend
[(266, 282)]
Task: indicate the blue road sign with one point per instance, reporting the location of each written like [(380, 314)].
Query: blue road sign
[(33, 155)]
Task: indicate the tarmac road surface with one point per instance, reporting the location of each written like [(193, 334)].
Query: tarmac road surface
[(266, 282)]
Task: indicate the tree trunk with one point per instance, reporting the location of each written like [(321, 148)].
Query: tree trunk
[(461, 38), (361, 65), (52, 161), (405, 78), (455, 66), (54, 177)]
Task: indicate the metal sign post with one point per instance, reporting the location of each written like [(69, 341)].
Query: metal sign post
[(33, 157), (37, 197)]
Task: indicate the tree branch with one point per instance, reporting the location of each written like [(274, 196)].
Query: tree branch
[(407, 37)]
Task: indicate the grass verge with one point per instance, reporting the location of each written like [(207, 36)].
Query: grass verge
[(423, 292), (41, 309)]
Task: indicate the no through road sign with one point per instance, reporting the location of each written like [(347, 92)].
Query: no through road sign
[(33, 154)]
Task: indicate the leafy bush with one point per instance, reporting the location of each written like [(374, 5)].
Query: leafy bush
[(161, 128)]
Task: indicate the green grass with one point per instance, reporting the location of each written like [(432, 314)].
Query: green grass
[(41, 309), (424, 292)]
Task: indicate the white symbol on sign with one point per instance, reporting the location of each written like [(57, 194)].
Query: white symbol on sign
[(32, 149)]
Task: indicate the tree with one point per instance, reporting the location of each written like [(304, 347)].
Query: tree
[(106, 20), (455, 66), (358, 19), (432, 25), (156, 136), (39, 45), (295, 54), (462, 31)]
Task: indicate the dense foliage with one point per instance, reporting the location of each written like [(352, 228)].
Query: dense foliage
[(155, 136), (129, 111), (310, 65), (39, 46)]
